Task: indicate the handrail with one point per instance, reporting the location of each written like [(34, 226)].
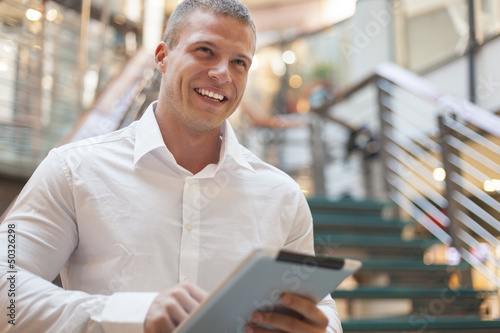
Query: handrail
[(448, 139), (393, 74), (422, 88)]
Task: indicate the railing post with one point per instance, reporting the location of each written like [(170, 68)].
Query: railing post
[(83, 49), (367, 176), (383, 110), (318, 155), (450, 188)]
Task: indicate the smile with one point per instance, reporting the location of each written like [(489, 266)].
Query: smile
[(210, 95)]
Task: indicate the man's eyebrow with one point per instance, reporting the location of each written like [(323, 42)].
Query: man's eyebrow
[(212, 44)]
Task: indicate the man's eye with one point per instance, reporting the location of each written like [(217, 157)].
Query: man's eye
[(205, 50), (240, 62)]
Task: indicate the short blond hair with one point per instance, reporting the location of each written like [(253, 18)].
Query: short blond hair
[(178, 19)]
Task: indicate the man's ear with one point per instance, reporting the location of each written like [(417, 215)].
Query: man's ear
[(161, 57)]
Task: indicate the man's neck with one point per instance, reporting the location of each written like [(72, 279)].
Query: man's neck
[(193, 151)]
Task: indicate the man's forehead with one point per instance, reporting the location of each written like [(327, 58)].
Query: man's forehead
[(210, 28)]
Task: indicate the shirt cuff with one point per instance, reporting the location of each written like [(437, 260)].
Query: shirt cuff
[(126, 312), (329, 308)]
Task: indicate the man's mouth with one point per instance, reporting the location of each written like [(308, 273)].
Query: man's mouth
[(210, 95)]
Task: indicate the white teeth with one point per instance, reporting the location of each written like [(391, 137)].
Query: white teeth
[(210, 94)]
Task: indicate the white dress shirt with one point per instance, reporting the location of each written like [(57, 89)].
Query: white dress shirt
[(121, 221)]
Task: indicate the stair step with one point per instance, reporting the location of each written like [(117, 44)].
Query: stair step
[(407, 271), (364, 246), (411, 292), (329, 238), (359, 224), (409, 264), (347, 205), (422, 324)]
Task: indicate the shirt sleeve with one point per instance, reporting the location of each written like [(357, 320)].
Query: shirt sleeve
[(329, 308), (301, 239), (41, 233)]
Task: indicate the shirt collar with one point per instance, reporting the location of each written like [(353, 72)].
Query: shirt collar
[(147, 134), (231, 147), (148, 138)]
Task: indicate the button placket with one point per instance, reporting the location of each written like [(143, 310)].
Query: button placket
[(189, 254)]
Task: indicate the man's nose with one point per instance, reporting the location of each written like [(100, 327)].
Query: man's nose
[(220, 71)]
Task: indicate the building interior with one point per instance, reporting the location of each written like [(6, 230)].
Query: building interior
[(385, 112)]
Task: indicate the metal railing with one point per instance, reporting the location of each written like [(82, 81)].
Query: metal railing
[(441, 163)]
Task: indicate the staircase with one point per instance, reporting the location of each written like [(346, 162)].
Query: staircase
[(395, 291)]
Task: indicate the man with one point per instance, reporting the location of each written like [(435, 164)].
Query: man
[(172, 202)]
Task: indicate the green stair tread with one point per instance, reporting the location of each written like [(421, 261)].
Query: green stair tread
[(409, 264), (322, 237), (416, 322), (410, 292), (356, 206), (361, 220)]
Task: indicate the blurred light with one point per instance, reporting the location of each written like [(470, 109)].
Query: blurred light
[(303, 106), (153, 21), (278, 67), (51, 14), (492, 185), (439, 174), (429, 258), (255, 63), (119, 19), (481, 252), (7, 48), (288, 57), (133, 10), (47, 82), (295, 81), (130, 43), (3, 66), (338, 10), (90, 81), (33, 14), (59, 19), (452, 256)]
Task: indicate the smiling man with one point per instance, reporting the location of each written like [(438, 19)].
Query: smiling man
[(205, 68), (144, 222)]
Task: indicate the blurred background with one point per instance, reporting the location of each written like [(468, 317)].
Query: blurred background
[(391, 104)]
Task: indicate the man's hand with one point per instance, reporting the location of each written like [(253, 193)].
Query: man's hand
[(313, 321), (171, 307)]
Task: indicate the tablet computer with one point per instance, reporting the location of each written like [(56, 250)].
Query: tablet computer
[(258, 283)]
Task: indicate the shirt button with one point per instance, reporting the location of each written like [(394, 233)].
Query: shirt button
[(189, 227)]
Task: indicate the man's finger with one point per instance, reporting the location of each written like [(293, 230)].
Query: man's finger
[(196, 292), (306, 308), (281, 322)]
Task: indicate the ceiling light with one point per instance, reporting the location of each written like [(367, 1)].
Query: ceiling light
[(289, 57), (33, 14), (439, 174)]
